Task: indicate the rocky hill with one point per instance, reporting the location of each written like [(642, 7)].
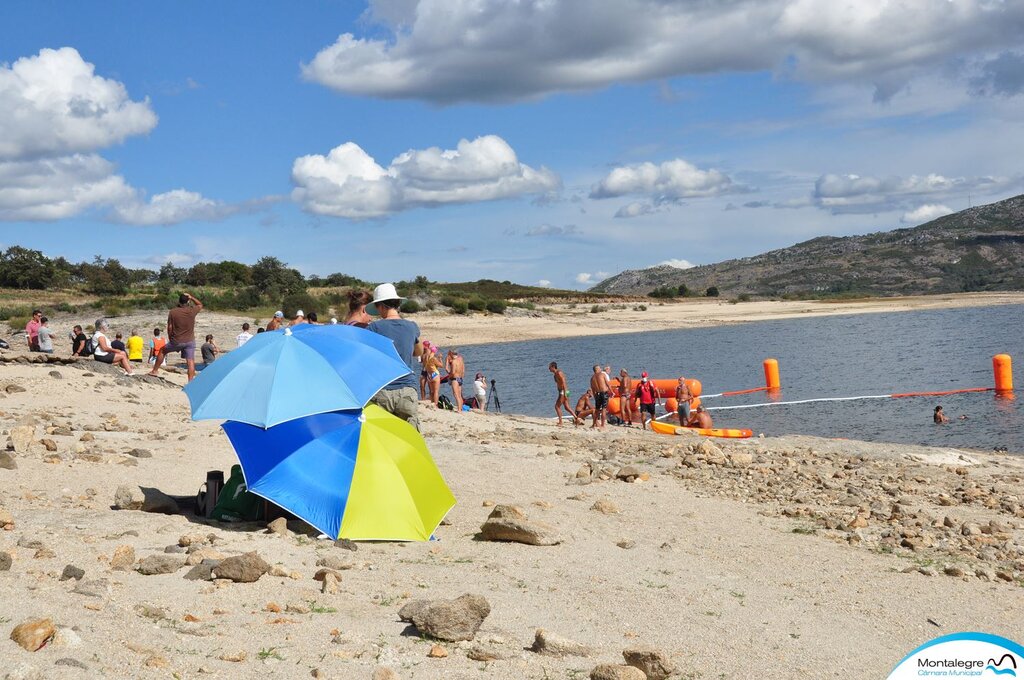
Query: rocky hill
[(980, 248)]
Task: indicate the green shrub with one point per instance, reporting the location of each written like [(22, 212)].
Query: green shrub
[(410, 307), (296, 301), (110, 311), (640, 308), (712, 291), (64, 307), (459, 306), (743, 297), (448, 301), (596, 308), (430, 306), (662, 292), (477, 304), (15, 312), (496, 306)]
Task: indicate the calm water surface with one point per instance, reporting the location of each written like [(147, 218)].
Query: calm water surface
[(835, 356)]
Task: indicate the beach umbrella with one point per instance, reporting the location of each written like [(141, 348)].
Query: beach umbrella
[(363, 475), (282, 375)]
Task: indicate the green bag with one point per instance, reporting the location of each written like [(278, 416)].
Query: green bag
[(235, 503)]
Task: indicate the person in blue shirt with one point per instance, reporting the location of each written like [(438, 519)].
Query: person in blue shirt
[(399, 397)]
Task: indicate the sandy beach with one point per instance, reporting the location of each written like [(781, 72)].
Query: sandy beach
[(778, 558)]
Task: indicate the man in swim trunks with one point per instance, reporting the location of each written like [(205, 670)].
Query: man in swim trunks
[(701, 419), (683, 399), (562, 400), (626, 397), (277, 321), (456, 367), (583, 408), (649, 396), (599, 386), (181, 335)]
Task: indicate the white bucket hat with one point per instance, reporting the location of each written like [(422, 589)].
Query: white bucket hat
[(385, 291)]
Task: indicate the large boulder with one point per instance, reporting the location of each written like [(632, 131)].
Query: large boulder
[(247, 568)]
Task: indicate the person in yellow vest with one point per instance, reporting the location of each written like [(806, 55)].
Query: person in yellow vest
[(136, 345)]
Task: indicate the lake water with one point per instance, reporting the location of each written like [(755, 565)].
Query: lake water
[(837, 356)]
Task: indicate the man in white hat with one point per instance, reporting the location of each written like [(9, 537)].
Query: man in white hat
[(399, 396), (300, 318)]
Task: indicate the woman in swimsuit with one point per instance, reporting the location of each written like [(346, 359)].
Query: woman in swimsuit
[(357, 301), (432, 367)]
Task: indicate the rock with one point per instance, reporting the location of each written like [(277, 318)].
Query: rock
[(44, 554), (14, 389), (29, 543), (610, 671), (6, 519), (451, 620), (160, 564), (626, 544), (71, 663), (123, 559), (437, 652), (654, 663), (55, 374), (22, 437), (98, 588), (627, 473), (1004, 575), (159, 502), (72, 572), (157, 661), (334, 562), (740, 459), (127, 498), (188, 540), (550, 644), (87, 437), (7, 461), (509, 523), (6, 561), (49, 444), (278, 526), (151, 611), (203, 571), (247, 568), (346, 544), (605, 506), (66, 638), (970, 530), (279, 570), (139, 453), (204, 554), (411, 608), (383, 673), (953, 570), (332, 583), (33, 634), (710, 450)]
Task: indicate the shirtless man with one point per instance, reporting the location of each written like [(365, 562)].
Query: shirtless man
[(683, 398), (701, 419), (456, 368), (626, 397), (562, 401), (599, 386), (583, 408)]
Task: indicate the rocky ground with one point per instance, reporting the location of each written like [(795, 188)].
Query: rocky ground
[(570, 554)]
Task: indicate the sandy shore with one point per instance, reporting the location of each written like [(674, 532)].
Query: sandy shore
[(562, 321), (788, 557)]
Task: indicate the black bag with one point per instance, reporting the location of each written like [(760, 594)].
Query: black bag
[(89, 349), (206, 499), (444, 402)]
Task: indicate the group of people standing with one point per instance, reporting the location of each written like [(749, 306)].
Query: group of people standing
[(637, 400)]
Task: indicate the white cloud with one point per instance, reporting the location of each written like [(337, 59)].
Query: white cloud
[(347, 182), (544, 283), (56, 188), (636, 209), (54, 104), (177, 259), (55, 113), (678, 264), (171, 207), (670, 181), (868, 194), (925, 213), (487, 50), (588, 278)]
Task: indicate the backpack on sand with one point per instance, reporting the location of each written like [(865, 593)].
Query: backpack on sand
[(445, 403), (235, 503)]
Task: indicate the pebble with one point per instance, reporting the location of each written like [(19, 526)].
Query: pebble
[(7, 461), (437, 652), (654, 663), (550, 644), (384, 673), (160, 564), (605, 506), (6, 561), (608, 671), (123, 559), (49, 444), (140, 453), (72, 572), (278, 526), (97, 588)]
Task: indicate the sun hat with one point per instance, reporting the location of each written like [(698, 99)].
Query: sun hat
[(299, 312), (334, 321), (383, 292), (279, 314)]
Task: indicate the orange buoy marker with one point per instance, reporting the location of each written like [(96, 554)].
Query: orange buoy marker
[(771, 375), (1002, 367)]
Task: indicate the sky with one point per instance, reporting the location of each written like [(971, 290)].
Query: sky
[(546, 142)]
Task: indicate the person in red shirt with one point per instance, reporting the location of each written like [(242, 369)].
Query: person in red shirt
[(648, 395), (32, 331)]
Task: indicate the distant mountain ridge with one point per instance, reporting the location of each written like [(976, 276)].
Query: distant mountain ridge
[(980, 248)]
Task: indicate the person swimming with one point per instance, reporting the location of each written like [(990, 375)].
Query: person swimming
[(939, 417)]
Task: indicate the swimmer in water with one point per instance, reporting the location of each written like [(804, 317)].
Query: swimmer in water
[(939, 417)]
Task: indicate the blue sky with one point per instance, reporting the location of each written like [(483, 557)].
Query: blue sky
[(548, 143)]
